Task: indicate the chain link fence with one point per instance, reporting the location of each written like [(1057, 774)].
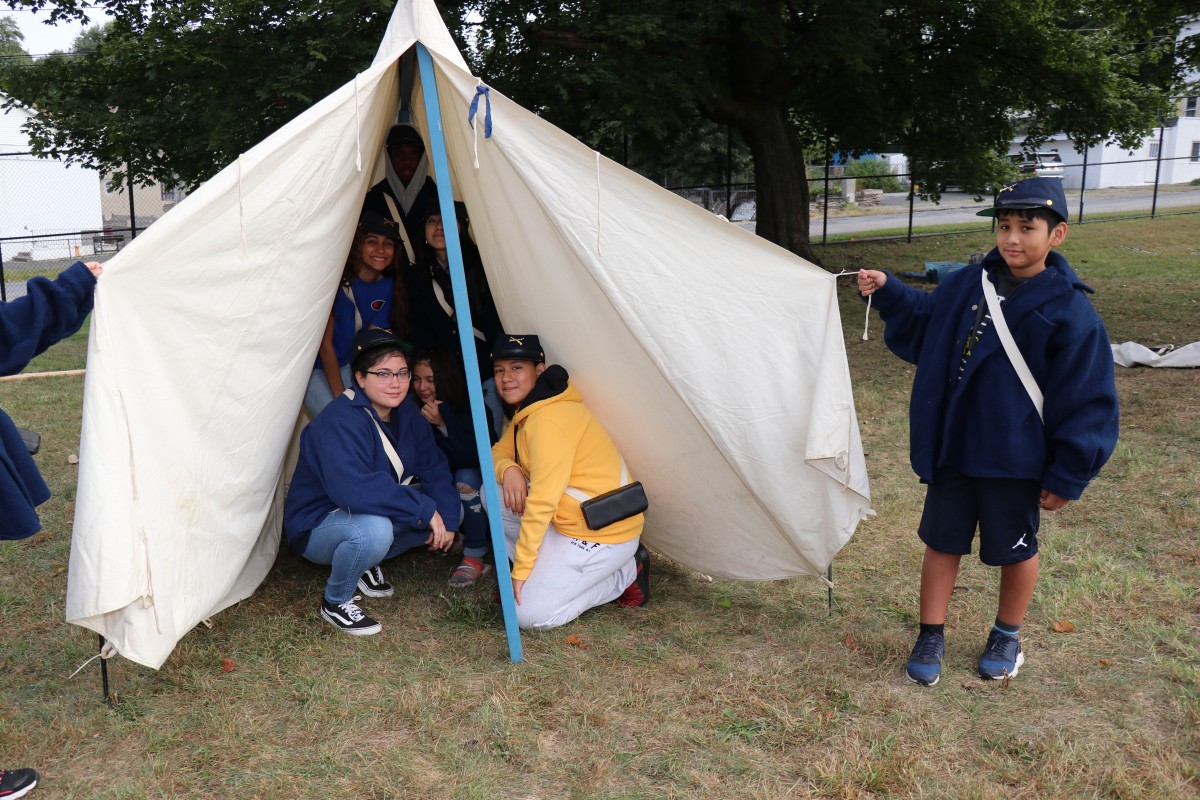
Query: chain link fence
[(888, 204), (52, 214)]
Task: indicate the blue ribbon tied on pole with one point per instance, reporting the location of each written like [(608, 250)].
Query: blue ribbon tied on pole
[(481, 91)]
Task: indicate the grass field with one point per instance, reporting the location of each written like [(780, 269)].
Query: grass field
[(713, 690)]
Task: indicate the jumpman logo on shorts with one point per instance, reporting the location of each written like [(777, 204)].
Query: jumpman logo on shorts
[(1020, 542)]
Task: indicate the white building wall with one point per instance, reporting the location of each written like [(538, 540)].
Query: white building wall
[(42, 196)]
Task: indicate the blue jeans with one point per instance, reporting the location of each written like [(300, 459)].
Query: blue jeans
[(319, 394), (474, 526), (352, 544)]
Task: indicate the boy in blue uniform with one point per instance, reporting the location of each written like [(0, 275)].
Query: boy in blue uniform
[(49, 312), (992, 458)]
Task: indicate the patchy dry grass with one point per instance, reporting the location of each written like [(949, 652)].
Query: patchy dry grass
[(714, 690)]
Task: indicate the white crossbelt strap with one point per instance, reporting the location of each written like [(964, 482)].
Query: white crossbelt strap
[(399, 220), (390, 451), (449, 309), (346, 290), (582, 496), (1010, 347)]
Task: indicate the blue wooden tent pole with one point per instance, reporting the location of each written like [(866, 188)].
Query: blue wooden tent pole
[(466, 337)]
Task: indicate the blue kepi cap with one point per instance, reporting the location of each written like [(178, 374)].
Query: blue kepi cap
[(1030, 193)]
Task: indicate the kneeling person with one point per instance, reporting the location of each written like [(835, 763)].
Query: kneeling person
[(347, 505), (553, 444)]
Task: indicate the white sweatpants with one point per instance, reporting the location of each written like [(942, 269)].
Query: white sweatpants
[(570, 575)]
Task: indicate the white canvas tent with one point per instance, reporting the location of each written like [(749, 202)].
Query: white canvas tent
[(714, 358)]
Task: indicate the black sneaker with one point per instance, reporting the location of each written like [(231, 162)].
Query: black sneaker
[(17, 782), (638, 592), (372, 584), (1001, 658), (345, 616)]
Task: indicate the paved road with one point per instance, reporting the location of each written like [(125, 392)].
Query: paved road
[(957, 208)]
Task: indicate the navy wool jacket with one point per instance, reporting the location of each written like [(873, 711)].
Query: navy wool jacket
[(343, 464), (49, 311), (984, 424)]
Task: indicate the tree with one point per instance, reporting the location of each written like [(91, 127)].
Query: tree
[(175, 90), (12, 40), (945, 81), (91, 39)]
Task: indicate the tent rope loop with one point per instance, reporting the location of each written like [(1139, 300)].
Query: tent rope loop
[(481, 90), (867, 321)]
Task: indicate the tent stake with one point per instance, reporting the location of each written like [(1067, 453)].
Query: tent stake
[(104, 673), (466, 338), (830, 588)]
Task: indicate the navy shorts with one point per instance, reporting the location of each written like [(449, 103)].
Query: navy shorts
[(1005, 510)]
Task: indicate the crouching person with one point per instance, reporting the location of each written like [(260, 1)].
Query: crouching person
[(349, 505), (553, 450)]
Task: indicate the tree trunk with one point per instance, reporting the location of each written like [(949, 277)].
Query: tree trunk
[(780, 177)]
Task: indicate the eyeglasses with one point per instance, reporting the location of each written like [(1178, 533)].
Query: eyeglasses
[(387, 377)]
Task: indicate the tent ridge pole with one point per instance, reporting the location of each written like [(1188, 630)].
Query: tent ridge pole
[(466, 337)]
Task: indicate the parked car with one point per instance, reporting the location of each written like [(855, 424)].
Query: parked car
[(1048, 164)]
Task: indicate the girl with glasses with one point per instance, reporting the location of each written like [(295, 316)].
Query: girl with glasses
[(354, 500)]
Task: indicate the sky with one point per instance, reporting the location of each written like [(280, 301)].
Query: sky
[(41, 38)]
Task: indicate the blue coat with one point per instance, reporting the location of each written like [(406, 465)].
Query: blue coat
[(428, 322), (343, 464), (49, 311), (985, 425), (458, 442)]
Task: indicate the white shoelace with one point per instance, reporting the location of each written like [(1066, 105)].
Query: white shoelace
[(352, 611)]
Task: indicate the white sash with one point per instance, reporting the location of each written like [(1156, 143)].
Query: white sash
[(399, 220), (581, 496), (388, 449), (449, 309), (1010, 346)]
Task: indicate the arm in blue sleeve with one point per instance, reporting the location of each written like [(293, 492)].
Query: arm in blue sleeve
[(1082, 415), (430, 465), (906, 313), (50, 311)]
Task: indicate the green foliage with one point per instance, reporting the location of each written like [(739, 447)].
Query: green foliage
[(177, 89), (12, 40), (873, 173), (945, 81)]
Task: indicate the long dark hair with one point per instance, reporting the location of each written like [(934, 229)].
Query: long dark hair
[(448, 376), (396, 271)]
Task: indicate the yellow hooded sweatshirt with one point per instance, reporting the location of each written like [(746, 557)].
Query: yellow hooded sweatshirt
[(556, 442)]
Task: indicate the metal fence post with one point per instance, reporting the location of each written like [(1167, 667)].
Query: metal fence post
[(132, 211), (912, 196), (3, 282), (825, 197), (1083, 184), (728, 171), (1162, 126)]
